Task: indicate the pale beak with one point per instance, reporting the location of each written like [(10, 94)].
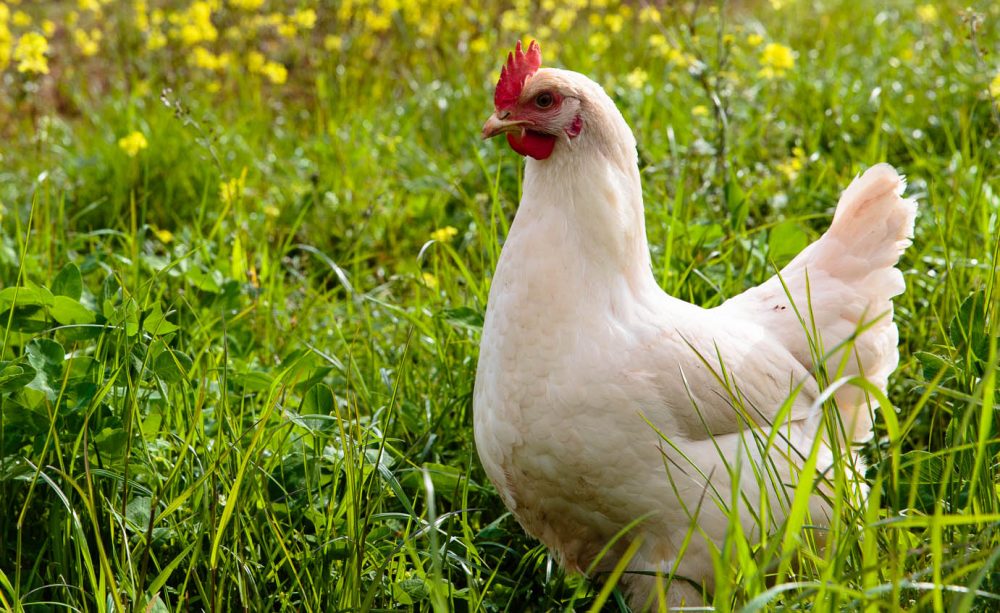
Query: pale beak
[(494, 125)]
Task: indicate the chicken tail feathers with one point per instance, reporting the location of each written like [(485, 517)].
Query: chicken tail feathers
[(875, 224), (872, 227), (842, 287)]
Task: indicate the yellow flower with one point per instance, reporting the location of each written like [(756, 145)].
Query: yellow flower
[(255, 61), (21, 19), (30, 53), (48, 27), (141, 14), (927, 13), (614, 23), (141, 89), (775, 60), (637, 78), (430, 25), (649, 14), (305, 19), (88, 43), (232, 190), (194, 24), (5, 42), (563, 19), (165, 236), (133, 143), (700, 111), (659, 43), (995, 86), (273, 20), (513, 21), (791, 167), (276, 73), (333, 42), (598, 42), (4, 14), (156, 40), (479, 45), (429, 280), (380, 22), (246, 5), (754, 40), (89, 5), (271, 211), (346, 11), (203, 58), (445, 234)]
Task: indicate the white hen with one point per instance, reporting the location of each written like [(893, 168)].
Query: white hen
[(593, 384)]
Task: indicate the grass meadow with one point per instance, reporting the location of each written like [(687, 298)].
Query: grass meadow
[(245, 250)]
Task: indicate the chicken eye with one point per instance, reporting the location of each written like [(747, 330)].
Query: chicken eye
[(544, 100)]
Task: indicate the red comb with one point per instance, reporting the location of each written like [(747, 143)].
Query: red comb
[(519, 67)]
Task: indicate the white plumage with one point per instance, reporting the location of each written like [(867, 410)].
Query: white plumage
[(587, 368)]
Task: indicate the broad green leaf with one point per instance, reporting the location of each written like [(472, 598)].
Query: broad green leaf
[(111, 442), (206, 282), (785, 241), (410, 590), (463, 317), (25, 296), (315, 376), (138, 512), (156, 322), (253, 381), (125, 316), (318, 400), (932, 364), (110, 291), (82, 367), (151, 424), (15, 375), (172, 365), (448, 480), (26, 319), (67, 311), (47, 357), (69, 282)]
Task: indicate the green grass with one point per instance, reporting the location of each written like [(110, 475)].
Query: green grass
[(270, 408)]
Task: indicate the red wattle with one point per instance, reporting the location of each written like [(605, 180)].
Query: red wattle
[(535, 144)]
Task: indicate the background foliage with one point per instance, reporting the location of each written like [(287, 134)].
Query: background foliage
[(245, 248)]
